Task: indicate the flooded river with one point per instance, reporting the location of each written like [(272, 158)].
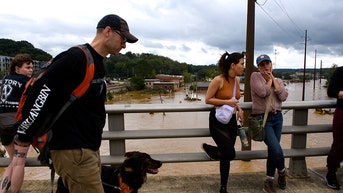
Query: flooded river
[(199, 120)]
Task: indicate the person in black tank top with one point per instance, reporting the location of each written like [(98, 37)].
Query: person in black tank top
[(224, 135)]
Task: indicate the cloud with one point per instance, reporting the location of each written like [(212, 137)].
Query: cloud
[(194, 31)]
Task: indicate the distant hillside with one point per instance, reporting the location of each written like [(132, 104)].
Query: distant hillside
[(308, 70), (11, 48), (145, 65)]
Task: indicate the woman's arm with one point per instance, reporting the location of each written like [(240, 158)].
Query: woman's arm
[(259, 86), (281, 92)]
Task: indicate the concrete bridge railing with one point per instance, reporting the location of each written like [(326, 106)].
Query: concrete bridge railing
[(117, 135)]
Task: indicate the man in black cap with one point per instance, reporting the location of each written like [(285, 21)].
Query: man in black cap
[(117, 24), (112, 27), (77, 133)]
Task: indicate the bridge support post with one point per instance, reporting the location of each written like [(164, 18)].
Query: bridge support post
[(116, 123), (297, 165)]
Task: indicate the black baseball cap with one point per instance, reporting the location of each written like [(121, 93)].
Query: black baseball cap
[(117, 23)]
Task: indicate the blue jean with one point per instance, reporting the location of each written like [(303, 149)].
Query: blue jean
[(273, 130)]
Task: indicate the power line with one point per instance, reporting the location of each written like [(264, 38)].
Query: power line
[(283, 9), (261, 4)]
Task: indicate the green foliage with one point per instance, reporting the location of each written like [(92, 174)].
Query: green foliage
[(204, 73), (329, 73), (187, 77), (287, 76), (11, 48), (109, 96), (138, 67), (144, 70), (277, 74), (137, 83), (123, 66)]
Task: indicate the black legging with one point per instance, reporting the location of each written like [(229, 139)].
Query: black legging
[(225, 143)]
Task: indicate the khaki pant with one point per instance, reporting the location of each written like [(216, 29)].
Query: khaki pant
[(80, 169)]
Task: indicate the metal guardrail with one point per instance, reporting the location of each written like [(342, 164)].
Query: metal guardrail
[(117, 134)]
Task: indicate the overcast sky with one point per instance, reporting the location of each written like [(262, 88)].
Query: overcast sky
[(193, 31)]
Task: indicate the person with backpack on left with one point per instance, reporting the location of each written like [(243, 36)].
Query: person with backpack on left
[(77, 133), (13, 85)]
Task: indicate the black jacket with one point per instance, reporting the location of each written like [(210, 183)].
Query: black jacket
[(336, 85), (81, 124)]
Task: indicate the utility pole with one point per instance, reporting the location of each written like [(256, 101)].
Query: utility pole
[(275, 52), (314, 73), (250, 41), (320, 73), (303, 96), (249, 60)]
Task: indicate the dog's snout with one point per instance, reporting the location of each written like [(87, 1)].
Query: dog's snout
[(157, 163)]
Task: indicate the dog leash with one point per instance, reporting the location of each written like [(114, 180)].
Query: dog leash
[(111, 186), (122, 186)]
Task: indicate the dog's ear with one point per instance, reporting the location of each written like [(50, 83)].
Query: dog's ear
[(132, 164), (128, 169), (130, 154)]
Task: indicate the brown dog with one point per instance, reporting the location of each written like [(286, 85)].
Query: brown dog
[(129, 177)]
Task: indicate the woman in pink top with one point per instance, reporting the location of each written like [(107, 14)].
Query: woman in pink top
[(220, 92), (261, 84)]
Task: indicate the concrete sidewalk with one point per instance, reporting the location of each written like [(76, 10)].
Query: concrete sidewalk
[(238, 183)]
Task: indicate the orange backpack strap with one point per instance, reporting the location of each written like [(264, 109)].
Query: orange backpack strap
[(82, 88), (22, 100)]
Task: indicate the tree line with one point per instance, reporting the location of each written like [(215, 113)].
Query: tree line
[(140, 66), (122, 66), (146, 66), (11, 48)]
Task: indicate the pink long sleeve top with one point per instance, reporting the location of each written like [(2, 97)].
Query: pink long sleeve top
[(260, 92)]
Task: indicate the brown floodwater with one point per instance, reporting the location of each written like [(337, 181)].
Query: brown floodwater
[(199, 120)]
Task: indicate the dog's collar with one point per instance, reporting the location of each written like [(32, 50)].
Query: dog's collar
[(124, 188)]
